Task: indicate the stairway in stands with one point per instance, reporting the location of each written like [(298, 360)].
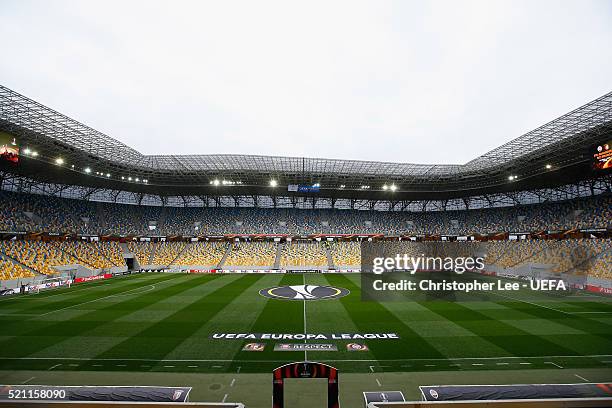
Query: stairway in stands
[(277, 258), (330, 258), (179, 255), (225, 255), (152, 254)]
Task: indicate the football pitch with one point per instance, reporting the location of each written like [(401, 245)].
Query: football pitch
[(163, 323)]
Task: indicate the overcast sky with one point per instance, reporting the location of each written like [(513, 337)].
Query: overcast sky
[(407, 81)]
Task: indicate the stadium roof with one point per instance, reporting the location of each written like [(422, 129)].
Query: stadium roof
[(555, 153)]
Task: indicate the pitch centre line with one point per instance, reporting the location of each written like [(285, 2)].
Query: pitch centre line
[(305, 351)]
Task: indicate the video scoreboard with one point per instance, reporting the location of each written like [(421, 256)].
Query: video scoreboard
[(603, 156)]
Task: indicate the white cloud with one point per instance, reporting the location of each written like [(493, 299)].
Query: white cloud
[(425, 82)]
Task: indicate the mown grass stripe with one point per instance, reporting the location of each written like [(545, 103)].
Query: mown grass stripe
[(57, 292), (159, 339), (71, 299), (512, 339), (16, 323), (277, 316), (329, 316), (589, 306), (372, 317), (48, 333), (238, 316), (578, 322)]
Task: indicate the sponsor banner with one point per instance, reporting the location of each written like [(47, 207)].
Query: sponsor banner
[(356, 347), (47, 285), (7, 292), (304, 347), (304, 336), (254, 347), (599, 289), (488, 273), (93, 278), (201, 271)]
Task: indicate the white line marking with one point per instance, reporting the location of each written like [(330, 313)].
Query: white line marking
[(233, 382), (168, 366), (55, 366), (430, 365), (378, 382), (192, 366), (502, 363), (582, 378), (63, 291), (238, 370), (104, 297), (477, 364), (224, 398), (531, 303), (97, 365), (372, 368), (150, 288), (525, 363), (555, 364), (28, 380)]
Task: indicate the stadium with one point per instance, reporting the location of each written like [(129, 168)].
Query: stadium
[(125, 269), (341, 204)]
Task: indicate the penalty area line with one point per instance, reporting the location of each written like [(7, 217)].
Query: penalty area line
[(106, 297)]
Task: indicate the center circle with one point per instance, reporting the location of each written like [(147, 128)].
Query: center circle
[(304, 292)]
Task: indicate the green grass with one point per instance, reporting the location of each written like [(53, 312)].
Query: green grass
[(163, 322)]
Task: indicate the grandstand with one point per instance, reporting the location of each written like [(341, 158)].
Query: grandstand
[(205, 254), (226, 231), (31, 212)]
